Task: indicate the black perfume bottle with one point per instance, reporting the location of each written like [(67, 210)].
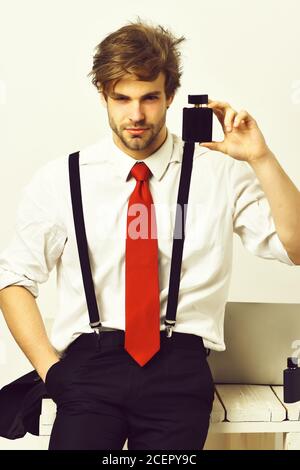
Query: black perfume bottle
[(291, 381), (197, 122)]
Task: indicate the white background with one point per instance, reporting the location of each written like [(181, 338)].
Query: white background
[(246, 53)]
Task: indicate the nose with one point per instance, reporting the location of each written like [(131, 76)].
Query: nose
[(136, 113)]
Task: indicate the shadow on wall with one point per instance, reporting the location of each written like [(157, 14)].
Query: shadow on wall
[(258, 337)]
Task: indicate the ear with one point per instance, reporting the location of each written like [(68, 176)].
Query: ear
[(103, 100), (169, 100)]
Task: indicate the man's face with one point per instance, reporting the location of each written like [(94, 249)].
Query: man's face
[(141, 107)]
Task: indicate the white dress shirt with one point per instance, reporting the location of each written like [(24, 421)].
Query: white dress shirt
[(225, 197)]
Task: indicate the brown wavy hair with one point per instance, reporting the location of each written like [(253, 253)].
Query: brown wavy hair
[(140, 49)]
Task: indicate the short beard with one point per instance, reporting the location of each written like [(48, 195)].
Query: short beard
[(138, 142)]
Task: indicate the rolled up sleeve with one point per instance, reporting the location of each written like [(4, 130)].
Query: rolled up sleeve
[(38, 238), (252, 218)]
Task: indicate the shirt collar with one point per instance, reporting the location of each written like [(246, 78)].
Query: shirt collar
[(157, 162), (105, 150)]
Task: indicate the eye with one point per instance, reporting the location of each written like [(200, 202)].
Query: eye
[(150, 97)]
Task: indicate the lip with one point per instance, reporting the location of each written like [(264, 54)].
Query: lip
[(136, 131)]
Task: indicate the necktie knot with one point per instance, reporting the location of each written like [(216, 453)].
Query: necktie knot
[(140, 171)]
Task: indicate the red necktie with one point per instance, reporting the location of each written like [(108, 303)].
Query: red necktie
[(142, 331)]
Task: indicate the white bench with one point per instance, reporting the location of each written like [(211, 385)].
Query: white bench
[(254, 409)]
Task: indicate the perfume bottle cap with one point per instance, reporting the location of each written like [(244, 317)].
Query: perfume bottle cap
[(292, 362), (198, 99)]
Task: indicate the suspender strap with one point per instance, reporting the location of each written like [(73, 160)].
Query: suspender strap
[(179, 235), (75, 187), (178, 238)]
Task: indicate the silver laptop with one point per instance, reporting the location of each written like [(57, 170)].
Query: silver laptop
[(259, 337)]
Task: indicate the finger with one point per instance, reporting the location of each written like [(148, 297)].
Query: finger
[(223, 105), (218, 111), (213, 145), (229, 119), (242, 118), (224, 112), (220, 116)]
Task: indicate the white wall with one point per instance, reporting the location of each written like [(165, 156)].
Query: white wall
[(246, 53)]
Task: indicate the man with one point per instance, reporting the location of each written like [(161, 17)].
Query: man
[(131, 381)]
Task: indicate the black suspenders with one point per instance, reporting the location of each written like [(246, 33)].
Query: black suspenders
[(178, 238)]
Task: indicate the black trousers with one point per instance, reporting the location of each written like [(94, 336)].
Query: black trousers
[(104, 397)]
